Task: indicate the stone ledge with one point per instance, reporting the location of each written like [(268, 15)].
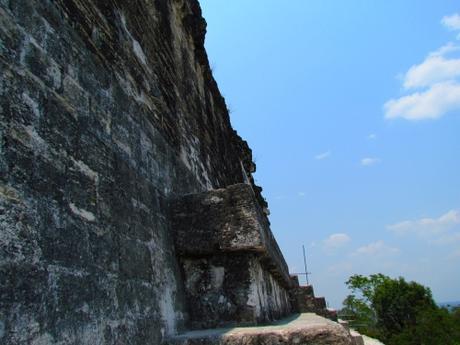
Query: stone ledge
[(226, 220), (306, 328)]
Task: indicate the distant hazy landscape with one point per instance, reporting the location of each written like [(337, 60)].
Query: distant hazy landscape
[(449, 305)]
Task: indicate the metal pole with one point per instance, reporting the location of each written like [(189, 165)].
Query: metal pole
[(305, 264)]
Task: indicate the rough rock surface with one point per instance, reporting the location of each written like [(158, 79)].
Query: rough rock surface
[(109, 116), (302, 329), (371, 341), (233, 269), (108, 109)]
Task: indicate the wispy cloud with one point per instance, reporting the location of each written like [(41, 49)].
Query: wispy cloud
[(368, 161), (335, 241), (323, 155), (434, 69), (301, 194), (451, 22), (428, 226), (433, 84), (375, 248), (433, 103), (372, 136)]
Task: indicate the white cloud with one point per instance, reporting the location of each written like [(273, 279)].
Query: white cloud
[(445, 49), (435, 69), (427, 226), (375, 248), (323, 155), (451, 22), (301, 194), (372, 136), (335, 241), (431, 104), (437, 79), (369, 161)]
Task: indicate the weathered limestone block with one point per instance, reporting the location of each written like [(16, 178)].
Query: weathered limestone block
[(226, 220), (303, 329), (233, 269), (304, 301)]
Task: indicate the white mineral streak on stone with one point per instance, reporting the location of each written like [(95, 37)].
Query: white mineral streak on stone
[(245, 175), (183, 157), (212, 200), (54, 72), (167, 312), (190, 156), (28, 136), (28, 40), (217, 274), (36, 141), (140, 205), (124, 147), (258, 297), (127, 83), (137, 49), (85, 169), (167, 282), (32, 104), (89, 216), (253, 297)]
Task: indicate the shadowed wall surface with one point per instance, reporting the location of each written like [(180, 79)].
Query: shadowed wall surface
[(108, 110)]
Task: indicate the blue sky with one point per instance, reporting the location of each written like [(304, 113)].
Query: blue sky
[(352, 109)]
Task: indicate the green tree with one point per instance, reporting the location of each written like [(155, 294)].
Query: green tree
[(399, 312), (398, 304)]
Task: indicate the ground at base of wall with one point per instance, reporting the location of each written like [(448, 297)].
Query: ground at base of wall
[(307, 328)]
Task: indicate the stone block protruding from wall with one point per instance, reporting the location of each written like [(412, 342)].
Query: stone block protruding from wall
[(233, 270)]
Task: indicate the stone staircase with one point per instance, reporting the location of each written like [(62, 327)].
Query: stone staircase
[(304, 300)]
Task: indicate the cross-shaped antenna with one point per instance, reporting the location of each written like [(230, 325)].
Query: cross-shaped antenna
[(305, 264), (306, 273)]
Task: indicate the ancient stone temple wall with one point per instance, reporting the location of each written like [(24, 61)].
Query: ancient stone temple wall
[(108, 111)]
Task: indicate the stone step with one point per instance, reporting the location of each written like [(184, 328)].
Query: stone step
[(306, 328), (357, 338), (344, 324)]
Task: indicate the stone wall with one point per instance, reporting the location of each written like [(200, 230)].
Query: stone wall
[(232, 289), (234, 271), (108, 109)]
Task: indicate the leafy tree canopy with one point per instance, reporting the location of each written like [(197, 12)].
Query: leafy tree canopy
[(399, 312)]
